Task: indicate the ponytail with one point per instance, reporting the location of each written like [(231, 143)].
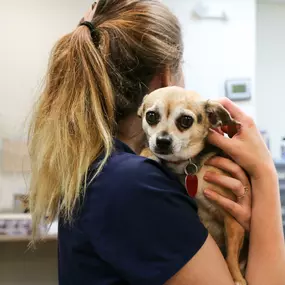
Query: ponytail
[(72, 124), (97, 77)]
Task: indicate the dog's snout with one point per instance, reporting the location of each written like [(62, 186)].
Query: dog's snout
[(164, 142)]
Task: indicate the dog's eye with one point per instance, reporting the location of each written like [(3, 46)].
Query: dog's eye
[(185, 122), (152, 118)]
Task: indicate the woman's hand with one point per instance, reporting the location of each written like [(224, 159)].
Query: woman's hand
[(266, 247), (238, 184), (246, 145)]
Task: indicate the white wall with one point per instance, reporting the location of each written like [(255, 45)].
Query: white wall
[(216, 50), (28, 30), (270, 72)]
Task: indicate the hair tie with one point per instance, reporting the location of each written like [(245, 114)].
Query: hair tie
[(93, 31)]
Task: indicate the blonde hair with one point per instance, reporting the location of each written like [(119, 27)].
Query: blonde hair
[(90, 86)]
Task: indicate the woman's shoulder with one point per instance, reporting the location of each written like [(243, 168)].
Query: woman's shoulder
[(138, 166), (128, 170), (135, 177)]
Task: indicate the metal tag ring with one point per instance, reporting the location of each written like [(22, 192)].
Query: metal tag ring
[(194, 166)]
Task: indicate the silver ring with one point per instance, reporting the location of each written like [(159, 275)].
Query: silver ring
[(244, 194)]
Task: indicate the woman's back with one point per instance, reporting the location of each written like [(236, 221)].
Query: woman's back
[(136, 225)]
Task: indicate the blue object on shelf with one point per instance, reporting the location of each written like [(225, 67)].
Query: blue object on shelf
[(283, 148), (266, 138), (280, 166)]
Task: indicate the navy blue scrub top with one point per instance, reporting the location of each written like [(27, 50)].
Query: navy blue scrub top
[(136, 226)]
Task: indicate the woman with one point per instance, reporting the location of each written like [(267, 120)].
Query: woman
[(125, 219)]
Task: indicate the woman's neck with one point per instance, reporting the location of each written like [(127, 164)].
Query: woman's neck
[(131, 133)]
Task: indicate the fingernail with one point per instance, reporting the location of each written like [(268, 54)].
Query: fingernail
[(208, 192), (206, 177)]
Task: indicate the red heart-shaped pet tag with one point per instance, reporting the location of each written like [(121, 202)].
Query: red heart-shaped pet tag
[(191, 183)]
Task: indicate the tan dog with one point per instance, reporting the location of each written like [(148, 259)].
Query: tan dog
[(177, 123)]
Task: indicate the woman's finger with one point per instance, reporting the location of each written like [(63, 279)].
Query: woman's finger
[(233, 109), (230, 206), (219, 130), (222, 142), (235, 185), (230, 167)]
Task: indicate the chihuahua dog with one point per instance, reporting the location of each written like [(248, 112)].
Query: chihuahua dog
[(176, 123)]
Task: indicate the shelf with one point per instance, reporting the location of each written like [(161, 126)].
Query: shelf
[(6, 238), (15, 216), (51, 236)]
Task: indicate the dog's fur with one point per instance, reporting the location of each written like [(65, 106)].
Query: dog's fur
[(169, 104)]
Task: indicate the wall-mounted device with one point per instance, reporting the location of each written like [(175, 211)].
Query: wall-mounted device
[(238, 89), (205, 11)]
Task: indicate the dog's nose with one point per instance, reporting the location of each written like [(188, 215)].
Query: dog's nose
[(163, 142)]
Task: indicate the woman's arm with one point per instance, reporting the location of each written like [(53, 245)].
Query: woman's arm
[(265, 223), (266, 263), (207, 267)]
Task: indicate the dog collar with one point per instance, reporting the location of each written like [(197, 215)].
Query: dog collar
[(176, 162), (190, 169), (191, 180)]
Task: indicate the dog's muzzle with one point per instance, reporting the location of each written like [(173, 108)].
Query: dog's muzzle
[(163, 144)]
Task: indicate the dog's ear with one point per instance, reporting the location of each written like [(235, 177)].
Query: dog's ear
[(217, 115), (141, 108)]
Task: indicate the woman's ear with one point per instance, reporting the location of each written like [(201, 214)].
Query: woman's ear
[(217, 115), (160, 80), (166, 78)]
